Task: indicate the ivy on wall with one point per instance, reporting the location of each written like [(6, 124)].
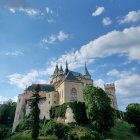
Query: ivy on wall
[(78, 109)]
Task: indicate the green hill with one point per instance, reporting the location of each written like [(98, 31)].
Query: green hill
[(121, 131)]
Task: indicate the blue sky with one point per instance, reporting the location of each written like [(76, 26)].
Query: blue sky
[(104, 34)]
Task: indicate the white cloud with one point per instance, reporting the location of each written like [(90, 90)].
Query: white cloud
[(98, 11), (23, 80), (61, 36), (113, 72), (14, 53), (106, 21), (116, 73), (13, 3), (49, 40), (127, 87), (131, 17), (99, 83), (49, 11), (4, 99), (28, 11), (124, 42), (12, 10)]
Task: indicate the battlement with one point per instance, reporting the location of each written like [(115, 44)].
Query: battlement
[(111, 85)]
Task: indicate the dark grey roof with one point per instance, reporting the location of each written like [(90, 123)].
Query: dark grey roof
[(70, 76), (86, 73), (77, 74), (61, 70), (44, 87), (56, 71)]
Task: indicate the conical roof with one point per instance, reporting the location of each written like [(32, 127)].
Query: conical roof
[(86, 73), (66, 70), (71, 77), (61, 70), (56, 71)]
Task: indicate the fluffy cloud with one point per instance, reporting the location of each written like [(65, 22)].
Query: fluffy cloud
[(106, 21), (99, 83), (126, 84), (61, 36), (14, 53), (124, 42), (49, 11), (13, 3), (28, 11), (4, 99), (127, 87), (131, 17), (98, 11), (22, 81)]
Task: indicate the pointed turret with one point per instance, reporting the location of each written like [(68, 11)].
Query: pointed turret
[(66, 70), (86, 73), (61, 70), (56, 71)]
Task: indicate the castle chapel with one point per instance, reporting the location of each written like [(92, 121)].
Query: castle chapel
[(65, 86)]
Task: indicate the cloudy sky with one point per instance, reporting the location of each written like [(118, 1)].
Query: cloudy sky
[(103, 33)]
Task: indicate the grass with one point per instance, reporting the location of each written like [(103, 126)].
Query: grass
[(26, 135), (122, 131)]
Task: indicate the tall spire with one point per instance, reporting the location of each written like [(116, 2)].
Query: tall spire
[(66, 70), (56, 71), (61, 70), (86, 73)]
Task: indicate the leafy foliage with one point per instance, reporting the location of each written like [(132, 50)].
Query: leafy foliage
[(98, 108), (4, 132), (35, 113), (120, 114), (78, 108), (24, 124), (58, 129), (133, 114), (7, 113)]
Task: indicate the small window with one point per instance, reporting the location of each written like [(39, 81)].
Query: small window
[(49, 102), (54, 102), (73, 94)]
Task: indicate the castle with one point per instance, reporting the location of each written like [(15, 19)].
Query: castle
[(65, 86)]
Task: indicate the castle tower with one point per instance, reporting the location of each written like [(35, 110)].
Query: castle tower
[(61, 72), (56, 71), (110, 90), (86, 73), (66, 70)]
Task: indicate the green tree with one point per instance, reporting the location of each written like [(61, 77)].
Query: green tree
[(35, 113), (133, 114), (7, 113), (98, 108)]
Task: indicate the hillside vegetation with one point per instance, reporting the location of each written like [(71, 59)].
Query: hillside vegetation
[(121, 131)]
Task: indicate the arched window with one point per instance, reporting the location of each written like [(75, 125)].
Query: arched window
[(73, 94)]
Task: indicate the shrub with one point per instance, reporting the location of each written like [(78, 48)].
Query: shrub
[(78, 108), (72, 136), (4, 132), (52, 128), (98, 107), (133, 114), (25, 124)]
